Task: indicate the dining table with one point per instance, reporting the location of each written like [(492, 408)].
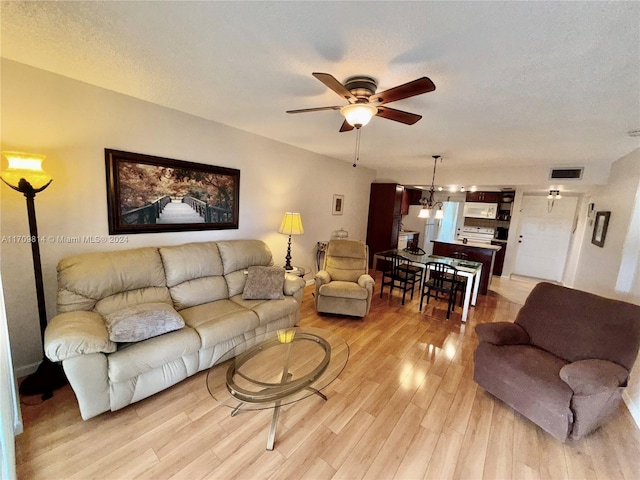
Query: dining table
[(468, 269)]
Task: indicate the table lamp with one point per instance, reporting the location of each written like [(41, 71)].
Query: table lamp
[(25, 175), (291, 225)]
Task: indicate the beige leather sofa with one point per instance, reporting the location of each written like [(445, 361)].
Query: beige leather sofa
[(204, 284)]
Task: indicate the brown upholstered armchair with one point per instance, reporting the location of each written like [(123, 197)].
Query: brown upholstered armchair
[(564, 362), (344, 286)]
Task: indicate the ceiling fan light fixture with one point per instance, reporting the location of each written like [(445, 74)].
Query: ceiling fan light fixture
[(358, 114)]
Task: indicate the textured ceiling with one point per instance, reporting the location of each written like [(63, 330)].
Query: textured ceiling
[(530, 83)]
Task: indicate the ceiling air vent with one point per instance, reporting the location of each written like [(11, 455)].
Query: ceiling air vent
[(566, 173)]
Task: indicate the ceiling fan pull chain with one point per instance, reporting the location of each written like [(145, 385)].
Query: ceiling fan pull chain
[(357, 154)]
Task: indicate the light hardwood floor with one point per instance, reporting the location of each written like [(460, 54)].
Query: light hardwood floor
[(405, 407)]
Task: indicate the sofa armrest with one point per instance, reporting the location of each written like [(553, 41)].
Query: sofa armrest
[(76, 333), (587, 377), (292, 284), (322, 277), (502, 333), (366, 281)]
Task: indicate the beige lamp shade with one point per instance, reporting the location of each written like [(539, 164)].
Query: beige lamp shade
[(25, 166), (291, 224)]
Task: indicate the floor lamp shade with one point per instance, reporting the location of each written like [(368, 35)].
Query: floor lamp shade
[(25, 167), (291, 225), (24, 174)]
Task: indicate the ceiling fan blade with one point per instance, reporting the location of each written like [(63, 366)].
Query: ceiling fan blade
[(416, 87), (318, 109), (331, 82), (398, 115), (346, 127)]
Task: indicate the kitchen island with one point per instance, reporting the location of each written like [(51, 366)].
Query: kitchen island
[(478, 252)]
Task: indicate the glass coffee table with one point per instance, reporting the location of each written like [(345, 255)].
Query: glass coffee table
[(277, 368)]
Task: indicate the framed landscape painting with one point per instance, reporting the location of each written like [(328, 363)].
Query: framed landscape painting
[(153, 194)]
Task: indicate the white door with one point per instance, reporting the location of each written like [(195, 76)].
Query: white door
[(543, 237)]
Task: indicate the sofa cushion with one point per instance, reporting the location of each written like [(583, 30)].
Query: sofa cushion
[(528, 379), (85, 279), (264, 283), (199, 291), (190, 261), (268, 310), (218, 321), (346, 260), (577, 325), (342, 289), (137, 358), (241, 254), (502, 333), (144, 321), (131, 298)]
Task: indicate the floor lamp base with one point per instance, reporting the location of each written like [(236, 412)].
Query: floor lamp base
[(48, 377)]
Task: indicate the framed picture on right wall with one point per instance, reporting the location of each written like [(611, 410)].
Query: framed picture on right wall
[(600, 228)]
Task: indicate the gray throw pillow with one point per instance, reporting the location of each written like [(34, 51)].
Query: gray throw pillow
[(264, 283), (143, 321)]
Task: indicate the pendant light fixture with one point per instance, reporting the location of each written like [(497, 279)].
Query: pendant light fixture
[(428, 204)]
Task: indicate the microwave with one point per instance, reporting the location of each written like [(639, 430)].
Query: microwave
[(480, 210)]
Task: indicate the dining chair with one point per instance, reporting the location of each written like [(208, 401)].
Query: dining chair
[(418, 270), (463, 280), (443, 280), (398, 276)]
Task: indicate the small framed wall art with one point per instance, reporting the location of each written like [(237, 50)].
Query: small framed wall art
[(600, 228), (338, 204)]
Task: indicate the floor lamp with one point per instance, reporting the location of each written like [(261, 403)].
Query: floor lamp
[(291, 225), (25, 175)]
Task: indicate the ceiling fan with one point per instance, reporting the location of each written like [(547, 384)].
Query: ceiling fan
[(364, 102)]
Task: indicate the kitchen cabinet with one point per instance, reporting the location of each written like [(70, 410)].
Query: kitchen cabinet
[(486, 197), (498, 264), (385, 214), (477, 253), (410, 196)]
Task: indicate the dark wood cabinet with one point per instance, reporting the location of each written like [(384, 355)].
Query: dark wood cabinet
[(486, 197), (486, 256), (498, 264), (385, 214), (410, 196)]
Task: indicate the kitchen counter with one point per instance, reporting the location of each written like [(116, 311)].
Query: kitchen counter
[(473, 244), (478, 252)]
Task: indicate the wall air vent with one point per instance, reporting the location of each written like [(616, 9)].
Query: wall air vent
[(566, 173)]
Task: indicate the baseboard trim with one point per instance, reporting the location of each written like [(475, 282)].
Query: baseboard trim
[(25, 370), (634, 409)]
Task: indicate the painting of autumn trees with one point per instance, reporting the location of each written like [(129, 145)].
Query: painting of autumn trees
[(148, 194), (142, 184)]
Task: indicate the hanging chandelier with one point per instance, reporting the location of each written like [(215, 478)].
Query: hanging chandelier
[(428, 204)]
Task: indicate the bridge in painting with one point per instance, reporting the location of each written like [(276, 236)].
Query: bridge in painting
[(167, 210)]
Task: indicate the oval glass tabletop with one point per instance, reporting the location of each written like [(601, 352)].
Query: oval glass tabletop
[(278, 368)]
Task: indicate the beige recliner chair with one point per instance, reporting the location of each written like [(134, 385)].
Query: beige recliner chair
[(344, 286)]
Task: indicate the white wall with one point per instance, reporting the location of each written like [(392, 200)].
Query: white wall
[(614, 270), (72, 123)]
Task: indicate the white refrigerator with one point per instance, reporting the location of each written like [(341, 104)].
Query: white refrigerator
[(428, 227)]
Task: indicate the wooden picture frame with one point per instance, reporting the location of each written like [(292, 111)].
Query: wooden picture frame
[(338, 204), (148, 194), (600, 228)]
